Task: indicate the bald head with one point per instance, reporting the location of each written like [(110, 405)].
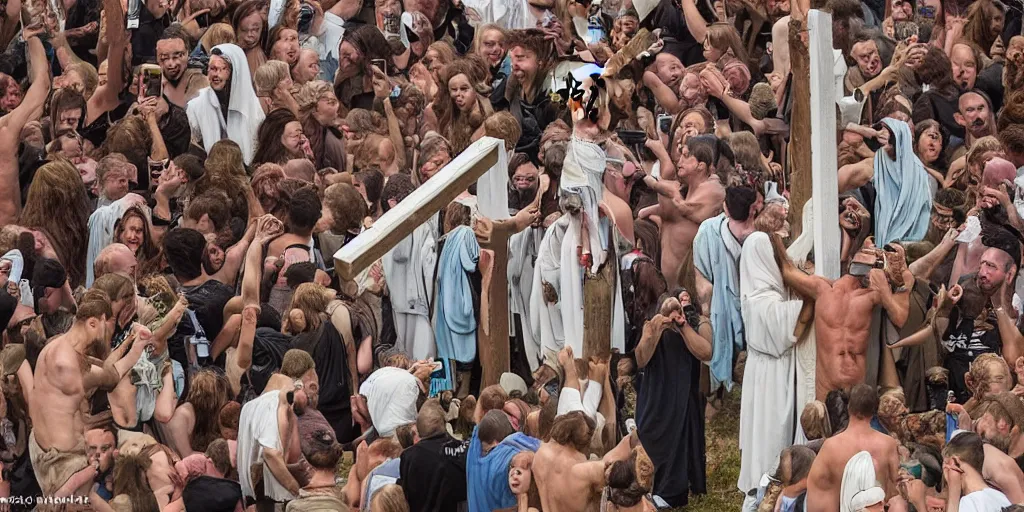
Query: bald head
[(115, 259), (300, 168)]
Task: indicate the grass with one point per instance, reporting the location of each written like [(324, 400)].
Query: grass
[(722, 432)]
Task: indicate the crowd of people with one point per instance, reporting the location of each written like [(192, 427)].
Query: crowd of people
[(177, 176)]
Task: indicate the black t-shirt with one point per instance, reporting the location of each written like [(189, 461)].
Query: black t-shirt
[(678, 41), (432, 473), (207, 302)]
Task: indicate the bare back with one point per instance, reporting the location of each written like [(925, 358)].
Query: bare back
[(825, 480), (842, 321), (678, 230), (56, 399), (561, 489)]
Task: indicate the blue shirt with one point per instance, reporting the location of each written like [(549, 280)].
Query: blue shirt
[(487, 475)]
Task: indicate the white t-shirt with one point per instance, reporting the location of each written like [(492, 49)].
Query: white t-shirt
[(985, 500), (258, 429)]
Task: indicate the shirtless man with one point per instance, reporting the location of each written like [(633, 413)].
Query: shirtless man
[(565, 478), (62, 380), (180, 83), (682, 212), (12, 123), (825, 479), (842, 315)]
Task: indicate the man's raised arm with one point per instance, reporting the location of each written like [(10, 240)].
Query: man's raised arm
[(12, 123)]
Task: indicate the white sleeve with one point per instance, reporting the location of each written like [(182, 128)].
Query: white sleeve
[(331, 31)]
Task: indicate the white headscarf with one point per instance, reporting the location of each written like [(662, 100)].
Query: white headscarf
[(858, 476), (245, 114)]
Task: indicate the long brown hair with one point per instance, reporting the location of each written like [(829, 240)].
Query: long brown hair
[(979, 24), (459, 128), (208, 392), (148, 254), (130, 479), (57, 187)]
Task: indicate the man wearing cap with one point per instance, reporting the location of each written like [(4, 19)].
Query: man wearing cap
[(962, 460)]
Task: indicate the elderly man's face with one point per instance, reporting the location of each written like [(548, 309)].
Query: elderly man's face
[(976, 114), (525, 177), (996, 270), (868, 60)]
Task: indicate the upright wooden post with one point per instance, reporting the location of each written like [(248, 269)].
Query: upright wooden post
[(598, 299), (493, 331), (800, 127)]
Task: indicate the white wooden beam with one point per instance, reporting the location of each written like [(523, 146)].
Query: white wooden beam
[(824, 171), (400, 221)]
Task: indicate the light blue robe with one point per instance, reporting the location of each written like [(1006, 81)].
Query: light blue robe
[(903, 203), (712, 258), (455, 321)]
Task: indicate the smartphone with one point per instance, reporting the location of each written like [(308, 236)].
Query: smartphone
[(926, 11), (203, 20), (392, 23), (664, 123), (381, 64), (152, 80)]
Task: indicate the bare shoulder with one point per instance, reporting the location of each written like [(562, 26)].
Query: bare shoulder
[(711, 189)]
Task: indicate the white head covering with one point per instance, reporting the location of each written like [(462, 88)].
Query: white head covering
[(864, 499), (244, 111), (859, 476)]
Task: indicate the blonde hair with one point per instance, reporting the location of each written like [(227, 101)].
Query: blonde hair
[(310, 93), (218, 33), (389, 498), (269, 75), (312, 300), (483, 29), (89, 76)]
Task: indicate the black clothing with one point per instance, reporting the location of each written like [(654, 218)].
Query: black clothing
[(533, 117), (80, 15), (670, 420), (933, 104), (145, 37), (328, 350), (668, 16), (432, 473), (207, 301)]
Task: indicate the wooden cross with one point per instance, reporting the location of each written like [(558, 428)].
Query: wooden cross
[(814, 165), (400, 221)]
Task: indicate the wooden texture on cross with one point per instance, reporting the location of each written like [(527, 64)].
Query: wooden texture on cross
[(400, 221), (800, 127), (493, 332), (598, 299)]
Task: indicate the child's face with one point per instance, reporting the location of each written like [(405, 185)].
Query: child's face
[(519, 476)]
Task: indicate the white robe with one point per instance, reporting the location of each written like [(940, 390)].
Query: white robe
[(245, 114), (546, 319), (767, 407), (257, 431), (522, 255), (409, 272)]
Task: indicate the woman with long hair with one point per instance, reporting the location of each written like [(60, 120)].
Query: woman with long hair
[(273, 85), (360, 47), (489, 43), (57, 187), (318, 113), (226, 171), (283, 45), (67, 113), (985, 21), (195, 422), (280, 139), (250, 32), (461, 112), (133, 230)]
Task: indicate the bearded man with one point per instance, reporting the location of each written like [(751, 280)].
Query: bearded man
[(63, 378), (180, 82), (227, 109)]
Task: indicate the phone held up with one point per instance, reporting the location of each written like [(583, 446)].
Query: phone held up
[(152, 81)]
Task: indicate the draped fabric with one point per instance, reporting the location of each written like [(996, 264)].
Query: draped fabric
[(455, 326), (522, 258), (716, 255), (904, 202), (767, 418), (670, 419), (858, 475), (545, 318), (409, 271), (244, 111)]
